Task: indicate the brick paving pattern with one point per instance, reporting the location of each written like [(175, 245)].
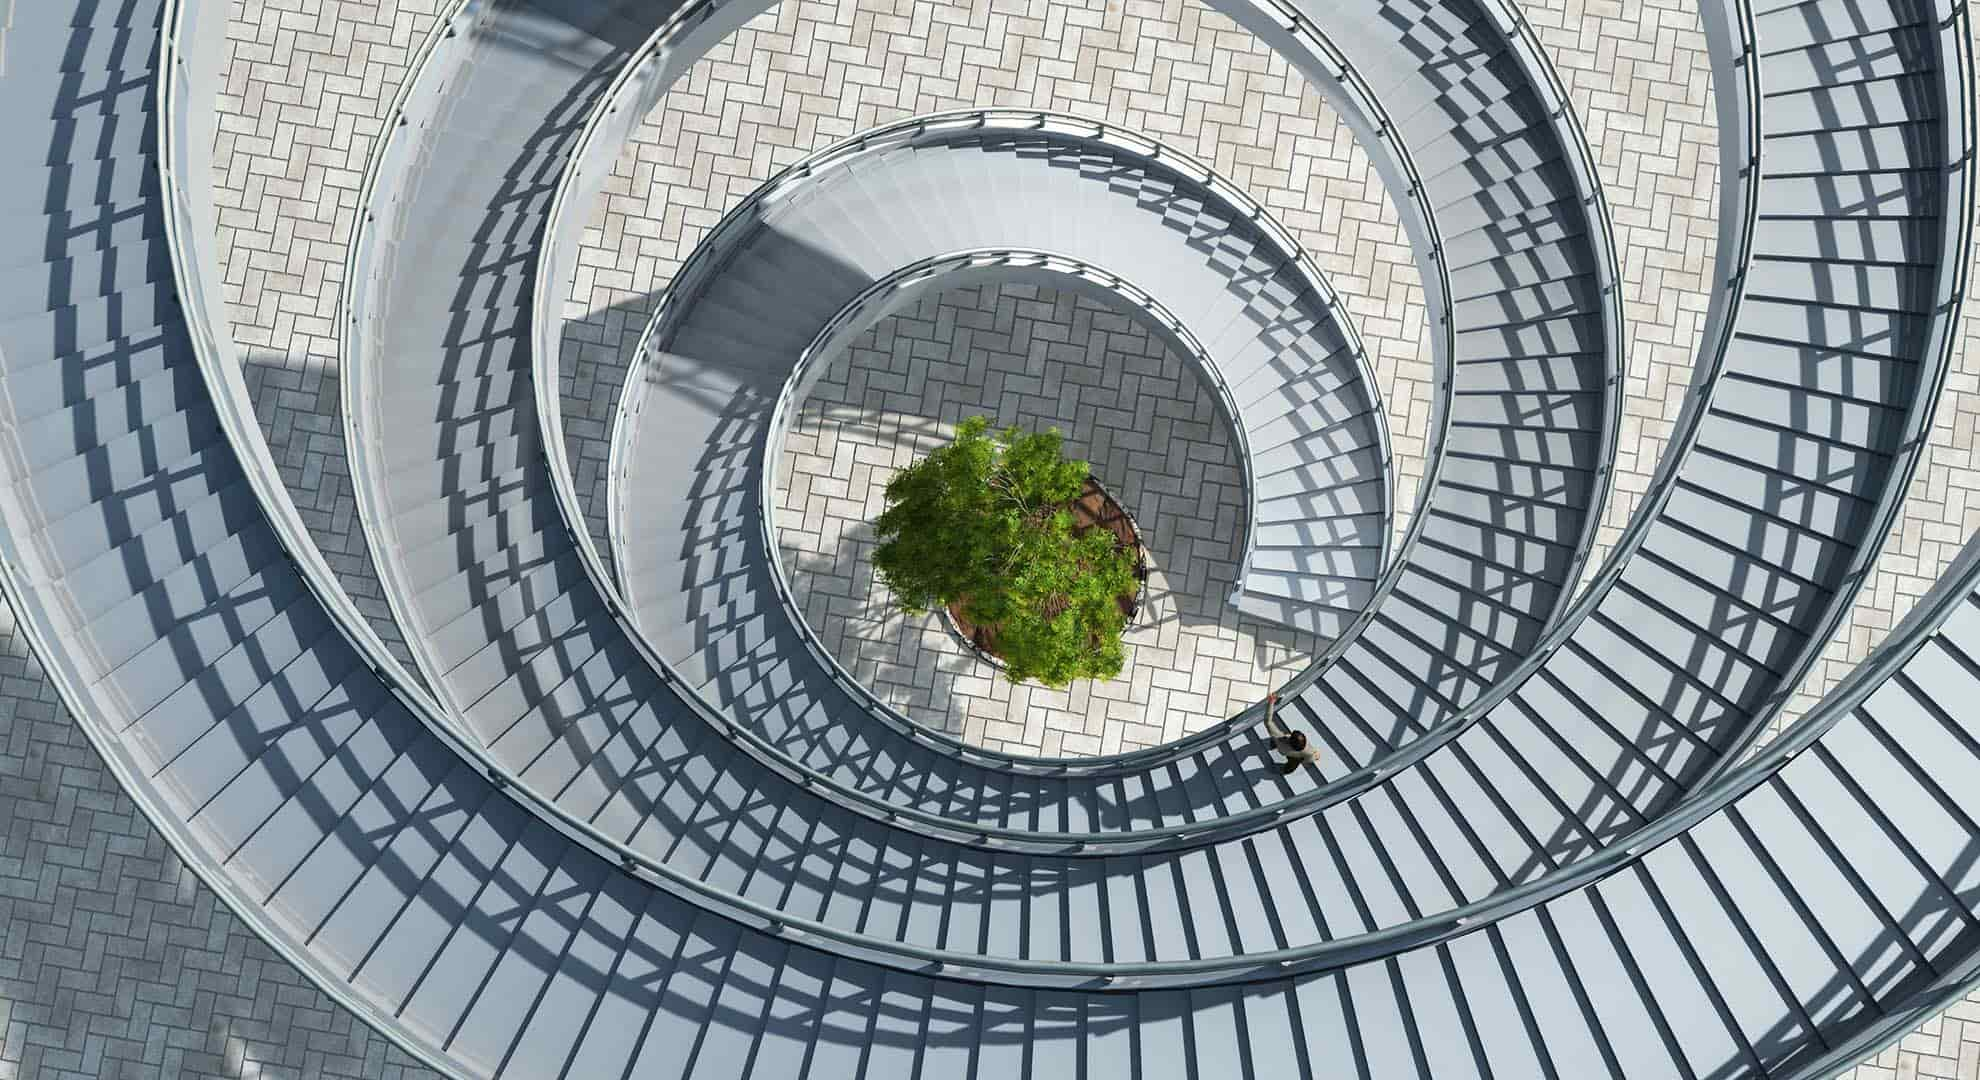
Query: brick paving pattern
[(115, 961), (306, 89), (1135, 410)]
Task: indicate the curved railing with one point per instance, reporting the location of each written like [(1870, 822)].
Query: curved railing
[(882, 297), (1904, 641), (1325, 63), (711, 256)]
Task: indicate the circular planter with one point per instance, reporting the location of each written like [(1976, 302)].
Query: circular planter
[(1095, 507)]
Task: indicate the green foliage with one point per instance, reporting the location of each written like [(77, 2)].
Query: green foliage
[(983, 521)]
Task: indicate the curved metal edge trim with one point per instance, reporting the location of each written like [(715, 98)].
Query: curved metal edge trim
[(1339, 74), (715, 250)]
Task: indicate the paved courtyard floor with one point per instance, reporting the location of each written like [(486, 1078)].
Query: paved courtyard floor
[(1136, 411)]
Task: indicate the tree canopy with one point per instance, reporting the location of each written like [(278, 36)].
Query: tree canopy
[(984, 522)]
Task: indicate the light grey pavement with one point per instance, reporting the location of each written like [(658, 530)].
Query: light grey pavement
[(1133, 408)]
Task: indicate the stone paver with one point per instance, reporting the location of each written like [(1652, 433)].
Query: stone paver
[(306, 90), (1135, 410), (115, 961)]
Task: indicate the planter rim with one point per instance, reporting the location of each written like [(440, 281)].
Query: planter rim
[(1140, 589)]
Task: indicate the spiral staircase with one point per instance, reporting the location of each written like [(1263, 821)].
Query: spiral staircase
[(624, 814)]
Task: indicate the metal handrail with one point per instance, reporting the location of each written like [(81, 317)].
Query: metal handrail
[(1902, 643), (714, 251), (1338, 67)]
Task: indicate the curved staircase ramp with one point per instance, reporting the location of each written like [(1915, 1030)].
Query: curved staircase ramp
[(1640, 701), (1824, 900), (695, 570), (1423, 658), (1578, 755), (1828, 899), (699, 444)]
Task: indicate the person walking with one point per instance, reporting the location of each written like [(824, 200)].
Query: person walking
[(1298, 749)]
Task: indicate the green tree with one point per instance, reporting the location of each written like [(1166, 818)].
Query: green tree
[(983, 521)]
